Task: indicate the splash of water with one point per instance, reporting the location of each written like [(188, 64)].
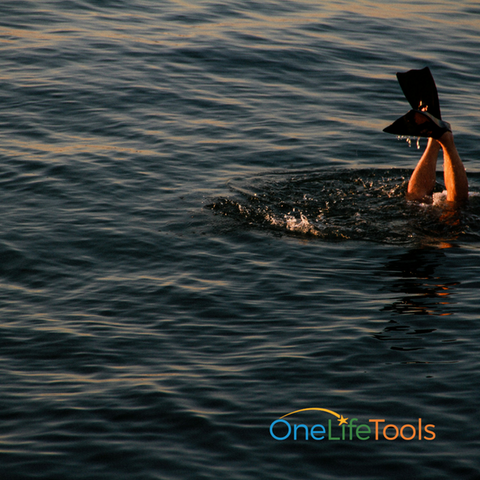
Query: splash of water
[(409, 140), (364, 204)]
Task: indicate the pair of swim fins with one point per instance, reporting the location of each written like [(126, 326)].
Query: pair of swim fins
[(425, 119)]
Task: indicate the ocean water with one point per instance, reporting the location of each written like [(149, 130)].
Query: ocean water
[(204, 229)]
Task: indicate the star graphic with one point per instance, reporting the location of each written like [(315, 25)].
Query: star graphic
[(342, 420)]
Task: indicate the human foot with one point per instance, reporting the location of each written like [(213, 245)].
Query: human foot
[(417, 123)]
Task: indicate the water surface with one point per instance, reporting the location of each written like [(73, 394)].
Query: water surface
[(204, 229)]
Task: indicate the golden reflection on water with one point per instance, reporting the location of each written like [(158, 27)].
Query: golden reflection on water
[(250, 22), (422, 290), (22, 148), (419, 289)]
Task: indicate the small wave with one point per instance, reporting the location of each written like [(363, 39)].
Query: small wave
[(366, 204)]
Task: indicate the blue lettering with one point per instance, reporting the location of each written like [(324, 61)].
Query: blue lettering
[(280, 421), (313, 433), (296, 427)]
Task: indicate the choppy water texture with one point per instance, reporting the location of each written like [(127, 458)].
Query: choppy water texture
[(204, 228), (349, 204)]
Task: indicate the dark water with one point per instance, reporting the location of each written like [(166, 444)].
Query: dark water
[(204, 229)]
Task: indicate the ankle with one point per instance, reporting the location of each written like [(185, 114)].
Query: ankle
[(446, 139)]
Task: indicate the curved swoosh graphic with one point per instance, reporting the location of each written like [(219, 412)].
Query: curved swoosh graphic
[(305, 409)]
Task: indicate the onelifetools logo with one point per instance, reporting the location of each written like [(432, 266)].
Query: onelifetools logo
[(349, 429)]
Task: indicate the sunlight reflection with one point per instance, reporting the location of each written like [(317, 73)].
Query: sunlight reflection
[(424, 292)]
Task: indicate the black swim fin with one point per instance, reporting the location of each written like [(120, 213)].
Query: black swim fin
[(420, 90), (425, 120), (418, 124)]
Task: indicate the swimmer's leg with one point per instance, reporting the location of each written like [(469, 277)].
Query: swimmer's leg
[(422, 182), (453, 170)]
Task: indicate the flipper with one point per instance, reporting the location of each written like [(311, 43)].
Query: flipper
[(425, 120), (420, 90), (418, 124)]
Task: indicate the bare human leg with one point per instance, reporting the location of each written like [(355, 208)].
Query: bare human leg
[(425, 121), (422, 181), (453, 170)]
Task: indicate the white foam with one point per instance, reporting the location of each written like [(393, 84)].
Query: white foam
[(439, 198), (294, 224)]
